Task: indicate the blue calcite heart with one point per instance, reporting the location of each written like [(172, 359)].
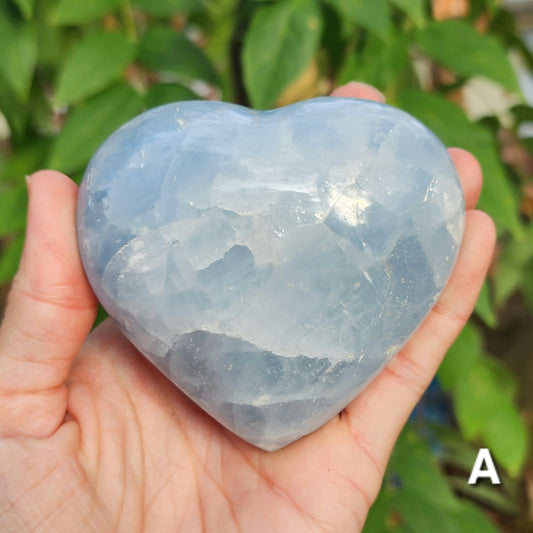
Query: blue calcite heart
[(270, 263)]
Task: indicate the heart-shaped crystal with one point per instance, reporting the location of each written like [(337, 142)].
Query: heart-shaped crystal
[(270, 263)]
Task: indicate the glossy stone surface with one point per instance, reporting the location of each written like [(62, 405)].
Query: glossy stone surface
[(270, 263)]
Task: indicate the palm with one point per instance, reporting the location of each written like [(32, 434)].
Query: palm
[(186, 469), (135, 452), (106, 443)]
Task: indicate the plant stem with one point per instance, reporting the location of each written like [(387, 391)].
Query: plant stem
[(129, 20)]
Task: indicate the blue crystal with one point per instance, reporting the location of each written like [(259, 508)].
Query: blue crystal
[(270, 263)]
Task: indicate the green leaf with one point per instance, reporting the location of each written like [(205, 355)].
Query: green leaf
[(450, 123), (166, 93), (460, 456), (223, 23), (164, 8), (101, 315), (383, 64), (460, 357), (469, 518), (165, 50), (458, 46), (333, 44), (89, 125), (13, 109), (2, 167), (415, 466), (25, 160), (476, 394), (510, 270), (13, 206), (93, 65), (522, 113), (494, 6), (279, 44), (506, 436), (455, 452), (26, 7), (41, 113), (10, 259), (418, 515), (54, 42), (405, 511), (378, 514), (484, 308), (18, 54), (528, 285), (485, 409), (506, 381), (416, 9), (406, 505), (70, 12), (374, 15)]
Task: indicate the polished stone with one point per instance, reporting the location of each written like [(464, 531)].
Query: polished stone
[(270, 263)]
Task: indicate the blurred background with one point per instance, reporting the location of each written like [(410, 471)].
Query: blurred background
[(72, 71)]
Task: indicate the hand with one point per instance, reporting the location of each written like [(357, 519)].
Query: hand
[(93, 438)]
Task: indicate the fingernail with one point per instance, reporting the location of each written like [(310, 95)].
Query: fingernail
[(377, 92), (28, 180)]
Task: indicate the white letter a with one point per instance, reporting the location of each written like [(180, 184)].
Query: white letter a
[(484, 457)]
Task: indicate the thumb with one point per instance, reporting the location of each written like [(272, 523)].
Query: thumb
[(49, 313)]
